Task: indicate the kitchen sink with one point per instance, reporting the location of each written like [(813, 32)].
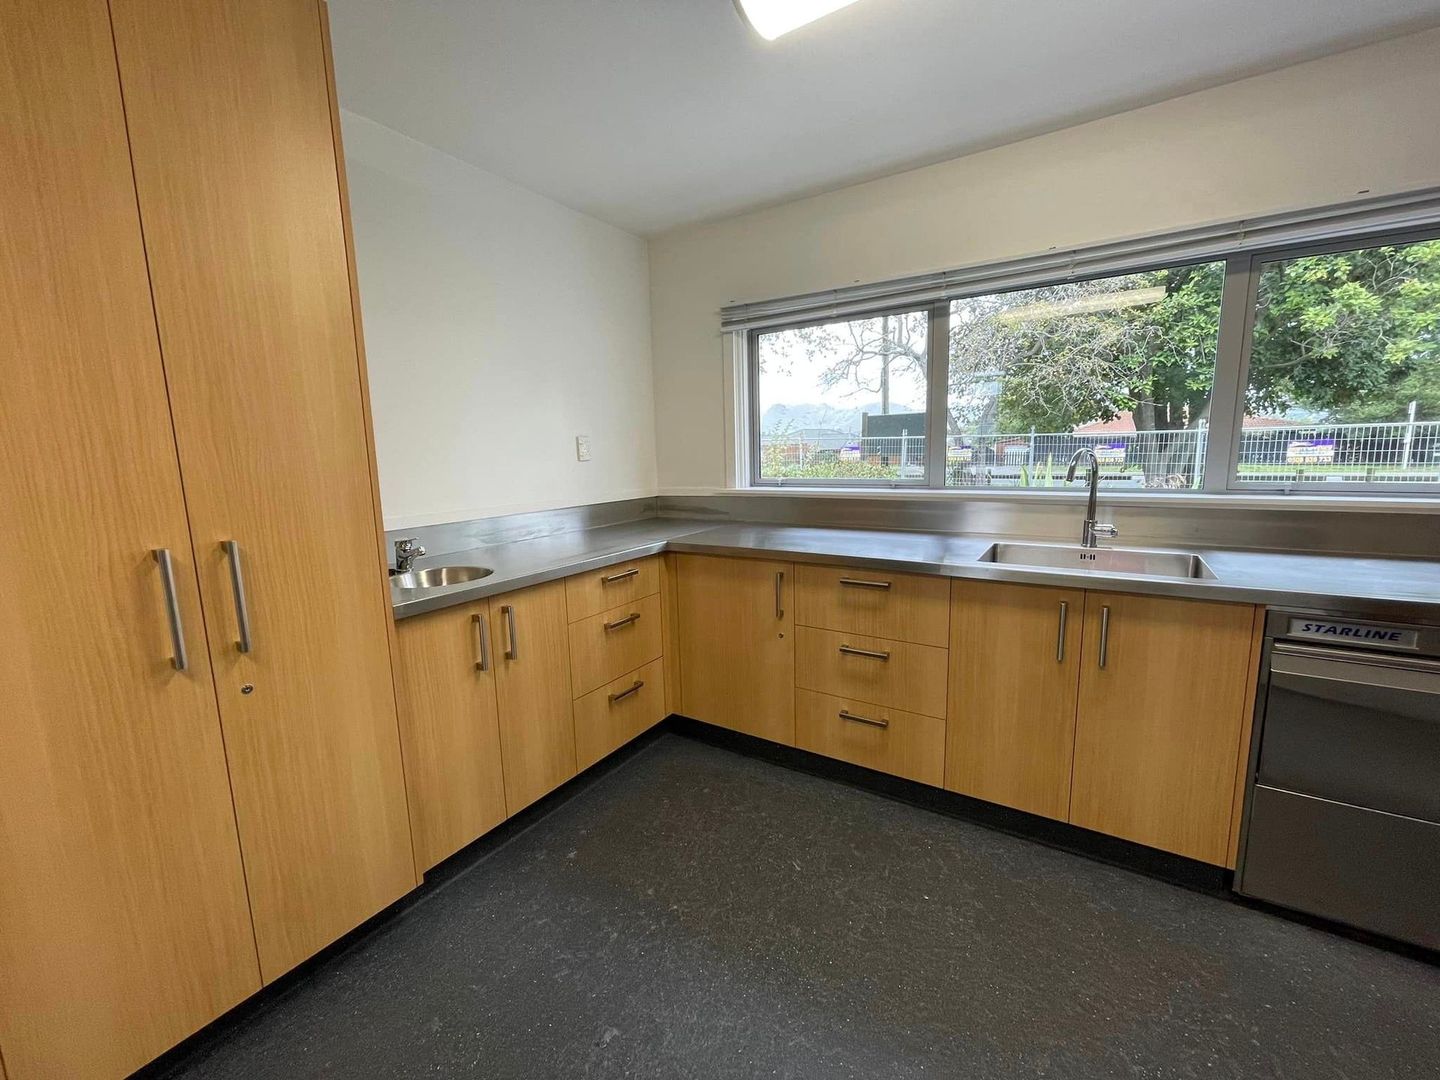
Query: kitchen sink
[(437, 577), (1171, 564)]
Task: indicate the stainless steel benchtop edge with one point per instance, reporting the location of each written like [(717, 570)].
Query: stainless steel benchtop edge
[(1379, 588)]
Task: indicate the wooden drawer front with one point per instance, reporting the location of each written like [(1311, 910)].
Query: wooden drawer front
[(897, 674), (605, 646), (608, 718), (600, 590), (900, 743), (901, 607)]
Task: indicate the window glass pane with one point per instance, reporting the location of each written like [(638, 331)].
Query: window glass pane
[(1344, 382), (844, 401), (1123, 365)]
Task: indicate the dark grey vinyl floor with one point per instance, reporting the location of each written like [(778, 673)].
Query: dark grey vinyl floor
[(700, 914)]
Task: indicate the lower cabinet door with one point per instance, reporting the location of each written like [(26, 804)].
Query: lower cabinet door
[(887, 740), (1164, 690), (1014, 674), (450, 729), (532, 683), (737, 644), (608, 718)]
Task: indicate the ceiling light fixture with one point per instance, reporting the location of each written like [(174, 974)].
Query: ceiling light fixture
[(771, 18)]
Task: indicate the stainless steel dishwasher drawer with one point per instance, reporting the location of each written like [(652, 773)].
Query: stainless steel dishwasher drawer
[(1353, 727), (1362, 867), (1343, 816)]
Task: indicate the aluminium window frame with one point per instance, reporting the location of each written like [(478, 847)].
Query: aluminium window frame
[(1235, 339)]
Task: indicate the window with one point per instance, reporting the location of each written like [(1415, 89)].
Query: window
[(1343, 379), (1123, 365), (1292, 369), (844, 401)]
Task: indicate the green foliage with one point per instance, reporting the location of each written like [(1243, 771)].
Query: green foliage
[(779, 462), (1351, 336)]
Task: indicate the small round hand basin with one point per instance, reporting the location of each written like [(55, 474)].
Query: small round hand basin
[(437, 577)]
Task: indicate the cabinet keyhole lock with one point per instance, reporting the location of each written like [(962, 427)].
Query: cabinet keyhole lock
[(247, 688)]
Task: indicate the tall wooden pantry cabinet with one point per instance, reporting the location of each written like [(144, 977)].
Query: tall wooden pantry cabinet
[(200, 777)]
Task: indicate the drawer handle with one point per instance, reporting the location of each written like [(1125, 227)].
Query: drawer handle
[(861, 583), (611, 579), (846, 714), (623, 694), (628, 620), (482, 642), (870, 654)]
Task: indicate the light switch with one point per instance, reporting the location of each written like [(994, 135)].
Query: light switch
[(582, 447)]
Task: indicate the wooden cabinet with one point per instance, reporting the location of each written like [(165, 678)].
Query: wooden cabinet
[(123, 917), (608, 718), (596, 590), (1014, 673), (903, 607), (899, 674), (450, 729), (229, 116), (737, 644), (532, 682), (875, 736), (1164, 691), (611, 643)]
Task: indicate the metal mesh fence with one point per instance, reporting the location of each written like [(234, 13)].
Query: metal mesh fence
[(1381, 454)]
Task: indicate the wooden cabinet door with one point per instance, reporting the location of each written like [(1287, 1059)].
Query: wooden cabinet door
[(123, 920), (537, 722), (1014, 675), (737, 644), (1163, 697), (450, 729), (230, 126)]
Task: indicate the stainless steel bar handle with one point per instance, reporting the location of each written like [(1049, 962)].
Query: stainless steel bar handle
[(628, 620), (872, 654), (623, 694), (1104, 635), (780, 594), (846, 714), (512, 651), (237, 586), (1060, 635), (482, 642), (861, 583), (621, 576), (179, 658)]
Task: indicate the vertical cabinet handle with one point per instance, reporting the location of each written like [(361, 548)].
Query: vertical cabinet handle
[(237, 587), (482, 642), (178, 657), (1104, 635), (512, 651), (1060, 635), (780, 594)]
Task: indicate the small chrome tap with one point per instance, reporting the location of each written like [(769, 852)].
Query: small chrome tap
[(406, 552), (1092, 530)]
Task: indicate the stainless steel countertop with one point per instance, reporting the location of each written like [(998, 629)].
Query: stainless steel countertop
[(1383, 588)]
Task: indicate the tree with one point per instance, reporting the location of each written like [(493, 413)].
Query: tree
[(867, 353)]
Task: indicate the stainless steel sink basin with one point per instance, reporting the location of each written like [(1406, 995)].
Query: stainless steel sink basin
[(437, 577), (1171, 564)]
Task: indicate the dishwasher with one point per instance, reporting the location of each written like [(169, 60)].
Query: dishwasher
[(1342, 807)]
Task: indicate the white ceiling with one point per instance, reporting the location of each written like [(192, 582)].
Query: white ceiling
[(656, 113)]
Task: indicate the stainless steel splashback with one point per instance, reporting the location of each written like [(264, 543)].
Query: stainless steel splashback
[(454, 536), (1178, 522)]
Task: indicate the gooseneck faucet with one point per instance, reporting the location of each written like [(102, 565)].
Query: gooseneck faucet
[(1092, 530)]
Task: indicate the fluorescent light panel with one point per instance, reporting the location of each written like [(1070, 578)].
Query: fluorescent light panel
[(771, 18)]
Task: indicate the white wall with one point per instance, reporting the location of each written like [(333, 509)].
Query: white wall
[(499, 325), (1307, 136)]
